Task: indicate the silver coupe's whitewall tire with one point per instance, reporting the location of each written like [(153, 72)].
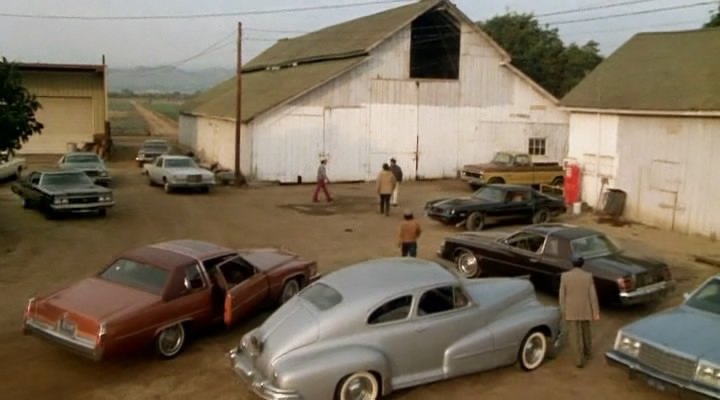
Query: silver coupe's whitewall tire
[(290, 289), (359, 386), (170, 341), (467, 264), (533, 351)]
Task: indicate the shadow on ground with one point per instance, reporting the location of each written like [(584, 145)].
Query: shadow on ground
[(340, 205)]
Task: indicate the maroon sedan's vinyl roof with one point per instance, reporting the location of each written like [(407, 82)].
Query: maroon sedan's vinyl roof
[(176, 253)]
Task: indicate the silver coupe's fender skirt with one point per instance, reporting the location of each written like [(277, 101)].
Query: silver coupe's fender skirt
[(315, 375)]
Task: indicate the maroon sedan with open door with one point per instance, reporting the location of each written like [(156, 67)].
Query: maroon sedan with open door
[(152, 296)]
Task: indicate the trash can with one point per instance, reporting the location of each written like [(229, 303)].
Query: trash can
[(615, 202)]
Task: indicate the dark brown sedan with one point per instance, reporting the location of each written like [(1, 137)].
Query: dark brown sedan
[(152, 296), (544, 251)]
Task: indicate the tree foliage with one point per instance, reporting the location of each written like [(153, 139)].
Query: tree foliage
[(17, 109), (540, 53), (714, 20)]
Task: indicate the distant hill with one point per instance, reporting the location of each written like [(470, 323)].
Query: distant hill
[(166, 79)]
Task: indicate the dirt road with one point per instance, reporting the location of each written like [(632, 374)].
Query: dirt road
[(37, 255), (157, 124)]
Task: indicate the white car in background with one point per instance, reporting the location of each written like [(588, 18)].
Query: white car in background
[(178, 172), (10, 166)]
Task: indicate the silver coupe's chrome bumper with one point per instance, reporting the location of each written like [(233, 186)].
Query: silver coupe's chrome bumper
[(647, 293), (85, 348), (659, 380), (261, 386)]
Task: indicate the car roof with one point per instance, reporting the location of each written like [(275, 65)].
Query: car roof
[(176, 253), (59, 171), (565, 231), (175, 157), (81, 153), (375, 280), (508, 186)]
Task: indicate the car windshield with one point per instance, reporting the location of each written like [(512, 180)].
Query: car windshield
[(321, 296), (82, 158), (490, 193), (502, 158), (593, 246), (69, 179), (180, 163), (707, 298), (137, 275), (155, 147)]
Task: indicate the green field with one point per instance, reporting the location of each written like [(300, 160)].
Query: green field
[(124, 120), (168, 108)]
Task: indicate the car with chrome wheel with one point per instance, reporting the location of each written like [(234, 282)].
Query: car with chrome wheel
[(676, 350), (544, 251), (153, 297), (178, 172), (89, 163), (370, 329)]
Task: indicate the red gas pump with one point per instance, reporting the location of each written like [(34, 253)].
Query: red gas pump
[(571, 184)]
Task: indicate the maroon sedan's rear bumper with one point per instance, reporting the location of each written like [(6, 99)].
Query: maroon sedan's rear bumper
[(77, 345)]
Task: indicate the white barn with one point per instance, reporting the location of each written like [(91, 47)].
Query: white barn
[(647, 121), (420, 83)]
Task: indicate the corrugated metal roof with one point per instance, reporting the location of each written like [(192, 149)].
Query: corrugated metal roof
[(657, 71), (320, 55)]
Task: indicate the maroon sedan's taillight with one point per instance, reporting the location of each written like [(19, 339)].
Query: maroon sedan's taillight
[(667, 274), (626, 283)]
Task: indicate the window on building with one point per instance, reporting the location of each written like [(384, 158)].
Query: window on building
[(537, 146), (435, 46)]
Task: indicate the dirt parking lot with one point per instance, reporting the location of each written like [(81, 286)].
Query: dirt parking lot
[(39, 255)]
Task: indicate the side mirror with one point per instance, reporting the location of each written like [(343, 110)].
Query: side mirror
[(686, 296)]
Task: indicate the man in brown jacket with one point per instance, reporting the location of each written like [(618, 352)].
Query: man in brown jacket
[(409, 233), (385, 185), (579, 306)]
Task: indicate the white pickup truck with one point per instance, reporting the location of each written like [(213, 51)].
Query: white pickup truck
[(10, 166)]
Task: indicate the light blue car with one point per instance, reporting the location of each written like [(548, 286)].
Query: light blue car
[(677, 350)]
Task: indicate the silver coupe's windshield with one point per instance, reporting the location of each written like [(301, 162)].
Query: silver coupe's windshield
[(180, 163), (137, 275), (66, 179), (82, 158), (321, 296), (707, 298), (593, 246), (502, 158), (490, 193)]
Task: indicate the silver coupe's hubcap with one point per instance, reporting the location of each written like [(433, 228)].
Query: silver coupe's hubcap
[(171, 340), (360, 387), (467, 264), (534, 350), (291, 289)]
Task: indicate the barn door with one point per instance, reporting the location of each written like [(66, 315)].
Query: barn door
[(346, 143), (663, 197)]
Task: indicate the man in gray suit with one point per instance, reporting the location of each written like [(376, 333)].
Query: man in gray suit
[(579, 306)]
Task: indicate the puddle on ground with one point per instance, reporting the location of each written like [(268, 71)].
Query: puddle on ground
[(339, 205)]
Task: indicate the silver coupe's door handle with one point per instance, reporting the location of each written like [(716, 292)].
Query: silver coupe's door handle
[(533, 260)]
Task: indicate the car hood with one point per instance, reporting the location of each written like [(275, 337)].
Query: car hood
[(97, 299), (84, 166), (291, 326), (484, 167), (671, 329), (78, 189), (460, 202), (623, 264), (267, 259), (189, 171)]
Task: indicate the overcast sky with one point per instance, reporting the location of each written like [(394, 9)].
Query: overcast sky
[(151, 43)]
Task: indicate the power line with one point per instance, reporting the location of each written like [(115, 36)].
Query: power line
[(630, 13), (593, 8), (696, 22), (199, 16)]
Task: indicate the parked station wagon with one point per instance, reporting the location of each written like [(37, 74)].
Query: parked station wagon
[(370, 329), (150, 297)]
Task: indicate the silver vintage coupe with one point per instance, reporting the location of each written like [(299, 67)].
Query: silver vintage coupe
[(676, 350), (370, 329)]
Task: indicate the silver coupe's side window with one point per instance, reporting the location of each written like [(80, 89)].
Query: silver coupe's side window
[(442, 299), (394, 310)]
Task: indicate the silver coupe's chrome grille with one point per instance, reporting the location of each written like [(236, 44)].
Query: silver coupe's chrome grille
[(668, 363)]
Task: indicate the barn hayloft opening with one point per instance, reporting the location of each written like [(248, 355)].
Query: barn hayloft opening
[(435, 46)]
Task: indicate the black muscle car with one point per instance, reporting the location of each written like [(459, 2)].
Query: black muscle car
[(496, 203), (544, 251), (55, 192)]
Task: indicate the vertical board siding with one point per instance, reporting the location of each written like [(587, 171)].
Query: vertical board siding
[(346, 143), (665, 166)]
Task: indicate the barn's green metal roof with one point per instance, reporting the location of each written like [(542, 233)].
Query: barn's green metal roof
[(270, 79), (661, 71)]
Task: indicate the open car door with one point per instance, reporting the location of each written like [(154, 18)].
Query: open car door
[(246, 288)]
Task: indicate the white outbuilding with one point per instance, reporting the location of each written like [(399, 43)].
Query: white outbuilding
[(420, 83), (647, 121)]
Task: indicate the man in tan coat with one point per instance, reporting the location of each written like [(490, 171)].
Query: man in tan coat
[(385, 185), (579, 306)]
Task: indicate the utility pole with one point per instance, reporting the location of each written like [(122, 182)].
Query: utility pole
[(239, 179)]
